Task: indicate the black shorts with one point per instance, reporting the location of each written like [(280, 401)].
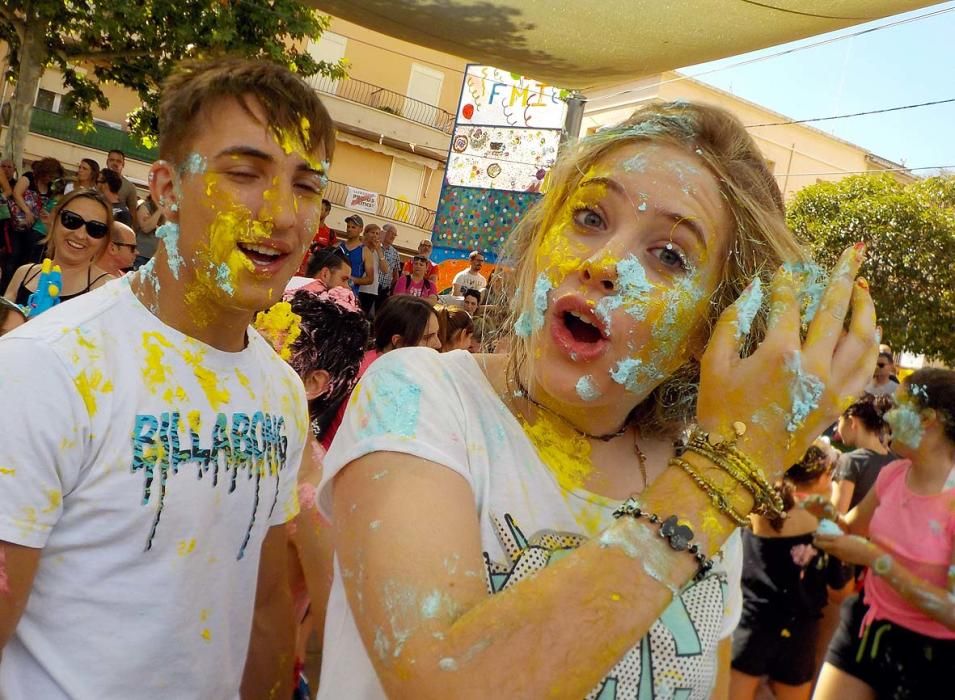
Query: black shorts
[(894, 661), (787, 654)]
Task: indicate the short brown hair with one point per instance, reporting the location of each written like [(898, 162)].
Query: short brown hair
[(288, 102)]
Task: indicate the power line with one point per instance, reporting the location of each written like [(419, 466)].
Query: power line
[(804, 14), (784, 52), (868, 172), (854, 114)]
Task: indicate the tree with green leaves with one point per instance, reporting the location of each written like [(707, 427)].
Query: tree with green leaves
[(910, 257), (136, 44)]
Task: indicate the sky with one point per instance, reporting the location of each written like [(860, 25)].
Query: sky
[(899, 65)]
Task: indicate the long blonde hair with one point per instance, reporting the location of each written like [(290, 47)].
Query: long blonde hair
[(762, 241)]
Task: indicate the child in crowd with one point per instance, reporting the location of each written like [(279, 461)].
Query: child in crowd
[(898, 641), (326, 355), (862, 427), (456, 327), (785, 588)]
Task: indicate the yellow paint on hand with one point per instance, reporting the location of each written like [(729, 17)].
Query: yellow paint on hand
[(615, 597), (88, 385), (281, 327)]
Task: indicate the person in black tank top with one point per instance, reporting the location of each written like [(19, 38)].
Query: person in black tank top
[(785, 588), (80, 227)]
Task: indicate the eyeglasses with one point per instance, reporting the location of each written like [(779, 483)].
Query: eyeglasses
[(419, 258), (881, 365), (72, 221), (131, 246)]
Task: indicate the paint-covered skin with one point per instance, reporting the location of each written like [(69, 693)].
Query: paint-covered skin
[(905, 420), (631, 257), (242, 205)]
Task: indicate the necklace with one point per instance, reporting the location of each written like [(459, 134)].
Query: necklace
[(607, 437)]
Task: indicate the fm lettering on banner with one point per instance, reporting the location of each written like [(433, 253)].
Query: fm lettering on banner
[(361, 200)]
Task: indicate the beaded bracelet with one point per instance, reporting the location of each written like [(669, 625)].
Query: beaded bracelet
[(677, 534), (716, 496)]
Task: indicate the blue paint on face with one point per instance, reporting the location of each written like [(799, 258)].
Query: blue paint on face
[(224, 278), (906, 420), (750, 302), (168, 233), (194, 164), (532, 320), (633, 374), (586, 388), (806, 391), (635, 164)]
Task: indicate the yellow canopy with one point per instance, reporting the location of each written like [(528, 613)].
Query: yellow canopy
[(589, 43)]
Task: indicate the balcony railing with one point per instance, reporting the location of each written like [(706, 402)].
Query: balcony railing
[(386, 100), (388, 207), (104, 138)]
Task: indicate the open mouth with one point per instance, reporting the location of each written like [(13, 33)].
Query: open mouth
[(576, 329), (262, 256), (581, 328)]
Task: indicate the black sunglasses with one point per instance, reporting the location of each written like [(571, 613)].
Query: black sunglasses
[(131, 246), (72, 221)]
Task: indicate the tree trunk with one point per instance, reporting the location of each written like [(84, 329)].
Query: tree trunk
[(33, 55)]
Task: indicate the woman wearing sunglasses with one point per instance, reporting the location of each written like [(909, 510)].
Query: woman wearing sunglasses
[(80, 224)]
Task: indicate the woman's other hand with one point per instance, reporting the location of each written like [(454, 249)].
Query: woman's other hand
[(789, 390)]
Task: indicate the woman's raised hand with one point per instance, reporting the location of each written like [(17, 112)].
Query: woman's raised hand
[(788, 391)]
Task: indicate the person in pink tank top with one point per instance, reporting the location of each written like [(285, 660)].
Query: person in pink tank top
[(899, 640)]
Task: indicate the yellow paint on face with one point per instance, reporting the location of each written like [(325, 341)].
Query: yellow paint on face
[(558, 254), (291, 142), (89, 384), (281, 327), (565, 453)]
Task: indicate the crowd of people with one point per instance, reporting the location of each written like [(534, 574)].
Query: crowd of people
[(644, 459), (35, 217)]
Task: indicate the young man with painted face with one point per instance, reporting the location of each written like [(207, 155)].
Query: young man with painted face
[(149, 469)]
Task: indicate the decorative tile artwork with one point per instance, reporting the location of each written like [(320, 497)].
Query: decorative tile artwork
[(470, 218), (501, 158)]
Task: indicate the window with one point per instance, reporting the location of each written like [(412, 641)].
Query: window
[(331, 49), (47, 100), (424, 91)]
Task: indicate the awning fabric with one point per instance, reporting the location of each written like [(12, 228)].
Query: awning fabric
[(590, 43)]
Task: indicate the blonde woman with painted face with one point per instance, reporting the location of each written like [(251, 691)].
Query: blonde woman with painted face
[(487, 542)]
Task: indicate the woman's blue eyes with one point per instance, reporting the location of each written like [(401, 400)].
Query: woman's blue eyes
[(588, 218), (670, 256)]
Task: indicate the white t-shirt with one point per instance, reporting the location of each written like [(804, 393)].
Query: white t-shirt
[(112, 419), (470, 280), (452, 416), (889, 387)]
